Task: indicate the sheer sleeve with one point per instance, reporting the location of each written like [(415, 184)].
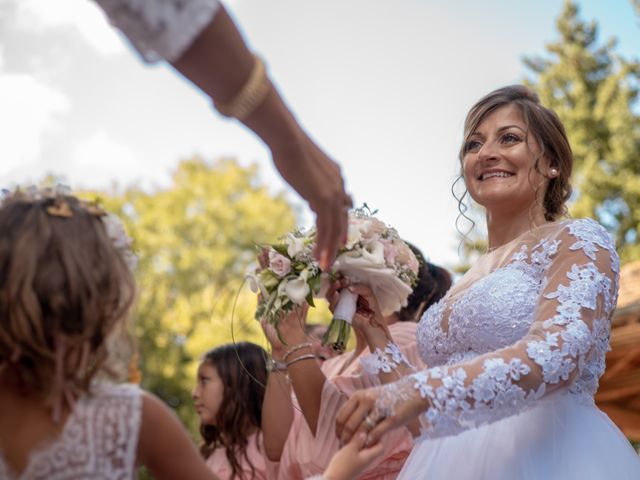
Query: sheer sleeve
[(563, 349), (160, 29)]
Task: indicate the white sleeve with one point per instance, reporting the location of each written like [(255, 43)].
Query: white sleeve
[(160, 29), (571, 325)]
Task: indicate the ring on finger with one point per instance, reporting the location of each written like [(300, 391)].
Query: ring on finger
[(370, 422)]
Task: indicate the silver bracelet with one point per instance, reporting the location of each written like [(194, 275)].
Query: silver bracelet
[(301, 357), (295, 348), (275, 365)]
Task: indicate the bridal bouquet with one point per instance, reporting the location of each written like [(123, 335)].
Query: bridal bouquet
[(288, 275), (374, 255)]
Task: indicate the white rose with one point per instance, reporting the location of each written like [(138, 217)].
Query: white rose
[(279, 264), (353, 235), (295, 245)]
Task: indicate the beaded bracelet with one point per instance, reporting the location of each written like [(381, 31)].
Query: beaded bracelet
[(295, 348), (250, 96), (301, 357)]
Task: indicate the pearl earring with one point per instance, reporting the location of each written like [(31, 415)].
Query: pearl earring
[(553, 172)]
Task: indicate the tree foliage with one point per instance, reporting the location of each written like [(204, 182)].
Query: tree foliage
[(195, 240), (594, 91)]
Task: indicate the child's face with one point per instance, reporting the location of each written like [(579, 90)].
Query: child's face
[(208, 393)]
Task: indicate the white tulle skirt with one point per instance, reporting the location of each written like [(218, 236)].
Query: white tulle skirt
[(560, 439)]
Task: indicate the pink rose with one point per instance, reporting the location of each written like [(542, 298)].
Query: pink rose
[(279, 264), (390, 252)]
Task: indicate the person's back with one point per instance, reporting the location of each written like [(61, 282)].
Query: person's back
[(97, 439)]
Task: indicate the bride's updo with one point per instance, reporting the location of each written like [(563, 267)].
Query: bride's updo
[(547, 129)]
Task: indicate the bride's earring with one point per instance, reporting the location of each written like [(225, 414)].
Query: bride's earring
[(553, 172)]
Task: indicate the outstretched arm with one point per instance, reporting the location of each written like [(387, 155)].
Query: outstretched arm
[(200, 40)]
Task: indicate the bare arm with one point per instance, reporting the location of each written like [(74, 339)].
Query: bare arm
[(164, 446), (306, 376), (219, 63), (277, 410)]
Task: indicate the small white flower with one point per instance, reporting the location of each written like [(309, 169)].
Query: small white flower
[(298, 289), (295, 245)]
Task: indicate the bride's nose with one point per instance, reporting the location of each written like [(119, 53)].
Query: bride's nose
[(488, 151)]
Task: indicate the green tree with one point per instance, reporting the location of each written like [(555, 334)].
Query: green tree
[(195, 239), (594, 91)]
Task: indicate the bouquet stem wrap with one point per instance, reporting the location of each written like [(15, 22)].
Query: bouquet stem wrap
[(337, 335)]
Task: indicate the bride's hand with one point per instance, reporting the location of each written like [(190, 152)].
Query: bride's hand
[(378, 410)]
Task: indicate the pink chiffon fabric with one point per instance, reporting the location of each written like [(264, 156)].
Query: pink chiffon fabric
[(264, 469), (305, 455)]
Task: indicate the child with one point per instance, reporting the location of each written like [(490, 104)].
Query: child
[(228, 399), (65, 287)]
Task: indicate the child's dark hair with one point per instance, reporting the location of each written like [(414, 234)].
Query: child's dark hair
[(433, 283), (243, 372), (64, 286)]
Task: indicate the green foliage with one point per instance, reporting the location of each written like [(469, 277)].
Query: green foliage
[(195, 241), (594, 91)]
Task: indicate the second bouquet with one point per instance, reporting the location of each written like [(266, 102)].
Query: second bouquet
[(374, 255)]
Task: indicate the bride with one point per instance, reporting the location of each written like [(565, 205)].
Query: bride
[(516, 348)]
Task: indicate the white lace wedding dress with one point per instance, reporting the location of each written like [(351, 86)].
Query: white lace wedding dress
[(515, 352)]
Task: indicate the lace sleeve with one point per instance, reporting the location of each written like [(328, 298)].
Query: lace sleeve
[(566, 342), (160, 29)]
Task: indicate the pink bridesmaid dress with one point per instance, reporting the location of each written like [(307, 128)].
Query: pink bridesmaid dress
[(305, 455)]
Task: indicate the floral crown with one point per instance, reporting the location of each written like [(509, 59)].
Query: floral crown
[(60, 208)]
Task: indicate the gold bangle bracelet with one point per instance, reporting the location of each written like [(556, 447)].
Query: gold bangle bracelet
[(250, 96)]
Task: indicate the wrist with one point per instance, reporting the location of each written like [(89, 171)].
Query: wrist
[(377, 337), (277, 128)]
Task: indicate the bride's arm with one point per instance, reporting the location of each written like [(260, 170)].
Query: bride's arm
[(571, 324)]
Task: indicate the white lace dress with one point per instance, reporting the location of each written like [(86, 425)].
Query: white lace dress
[(98, 442), (515, 351)]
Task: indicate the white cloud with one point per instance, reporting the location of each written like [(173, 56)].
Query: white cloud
[(100, 160), (83, 15), (29, 110)]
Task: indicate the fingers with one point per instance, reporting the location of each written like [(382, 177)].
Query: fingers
[(369, 451), (345, 413), (374, 436), (354, 423)]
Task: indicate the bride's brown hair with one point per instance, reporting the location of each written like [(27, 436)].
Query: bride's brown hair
[(64, 286), (548, 131)]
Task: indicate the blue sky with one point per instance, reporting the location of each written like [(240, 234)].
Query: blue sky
[(382, 86)]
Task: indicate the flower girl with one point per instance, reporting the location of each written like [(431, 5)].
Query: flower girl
[(65, 289)]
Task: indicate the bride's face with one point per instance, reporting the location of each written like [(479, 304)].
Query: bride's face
[(498, 164)]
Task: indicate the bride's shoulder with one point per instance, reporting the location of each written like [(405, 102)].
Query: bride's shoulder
[(583, 230)]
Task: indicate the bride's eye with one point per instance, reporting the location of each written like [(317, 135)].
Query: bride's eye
[(509, 138), (472, 146)]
